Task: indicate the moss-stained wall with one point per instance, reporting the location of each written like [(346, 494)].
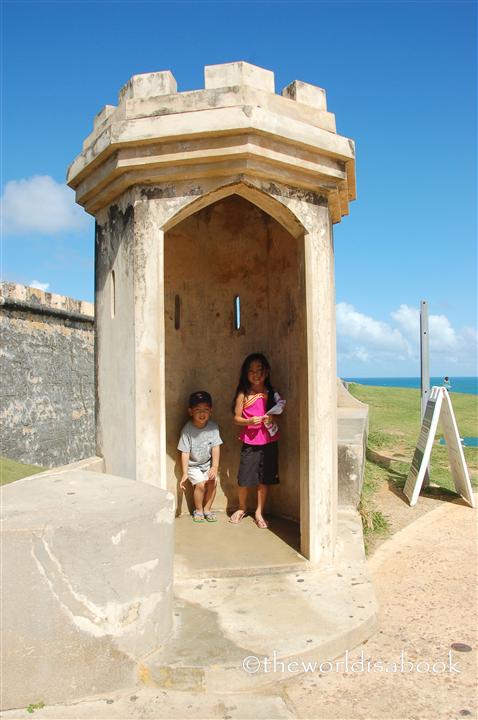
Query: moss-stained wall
[(47, 377), (115, 338)]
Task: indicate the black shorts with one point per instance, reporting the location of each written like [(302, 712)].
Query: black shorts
[(259, 464)]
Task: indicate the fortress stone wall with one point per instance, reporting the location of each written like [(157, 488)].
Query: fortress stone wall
[(47, 376)]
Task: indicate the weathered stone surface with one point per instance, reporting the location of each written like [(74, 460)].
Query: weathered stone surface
[(352, 445), (162, 372), (297, 614), (148, 85), (91, 464), (47, 377), (307, 94), (236, 125), (87, 583), (163, 171), (114, 252), (103, 115), (238, 73), (346, 399), (246, 95), (352, 425)]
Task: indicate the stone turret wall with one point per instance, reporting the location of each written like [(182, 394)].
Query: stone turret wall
[(47, 376)]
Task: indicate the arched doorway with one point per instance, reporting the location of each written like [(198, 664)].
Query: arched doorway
[(233, 249)]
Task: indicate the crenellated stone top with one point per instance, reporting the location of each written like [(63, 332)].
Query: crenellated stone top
[(27, 296), (156, 134)]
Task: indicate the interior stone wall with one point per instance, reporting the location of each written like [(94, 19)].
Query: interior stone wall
[(233, 248)]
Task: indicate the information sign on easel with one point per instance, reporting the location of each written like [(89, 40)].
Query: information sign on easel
[(439, 407)]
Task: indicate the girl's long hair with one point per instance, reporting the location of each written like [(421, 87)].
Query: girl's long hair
[(243, 384)]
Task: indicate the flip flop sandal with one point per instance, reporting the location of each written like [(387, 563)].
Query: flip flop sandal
[(238, 515), (198, 517), (210, 516), (262, 524)]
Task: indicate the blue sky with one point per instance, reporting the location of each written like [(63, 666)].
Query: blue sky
[(401, 80)]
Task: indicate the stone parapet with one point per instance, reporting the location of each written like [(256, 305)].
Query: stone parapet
[(237, 127), (238, 73), (148, 85), (352, 425), (34, 298), (309, 95), (87, 584)]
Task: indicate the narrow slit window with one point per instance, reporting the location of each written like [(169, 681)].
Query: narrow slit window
[(237, 312), (113, 294), (177, 312)]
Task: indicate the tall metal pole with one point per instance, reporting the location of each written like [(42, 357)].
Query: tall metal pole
[(424, 369), (424, 357)]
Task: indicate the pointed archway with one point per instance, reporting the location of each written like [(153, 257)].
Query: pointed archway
[(213, 254)]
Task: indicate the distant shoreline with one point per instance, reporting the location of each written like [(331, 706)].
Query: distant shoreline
[(464, 384)]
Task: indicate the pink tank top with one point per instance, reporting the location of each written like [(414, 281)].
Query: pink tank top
[(255, 405)]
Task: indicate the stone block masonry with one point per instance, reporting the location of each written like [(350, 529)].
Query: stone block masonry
[(47, 377), (87, 584), (147, 171)]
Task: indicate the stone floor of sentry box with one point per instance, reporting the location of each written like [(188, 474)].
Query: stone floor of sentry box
[(222, 548), (247, 605)]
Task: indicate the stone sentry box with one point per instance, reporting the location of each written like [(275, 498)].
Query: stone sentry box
[(200, 198)]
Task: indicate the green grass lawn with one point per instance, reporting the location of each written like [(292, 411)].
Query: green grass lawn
[(394, 429), (393, 433), (11, 470)]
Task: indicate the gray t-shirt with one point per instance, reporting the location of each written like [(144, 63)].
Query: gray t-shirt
[(198, 442)]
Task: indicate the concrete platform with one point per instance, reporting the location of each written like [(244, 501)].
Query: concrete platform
[(352, 432), (241, 592), (443, 608), (87, 583), (222, 549)]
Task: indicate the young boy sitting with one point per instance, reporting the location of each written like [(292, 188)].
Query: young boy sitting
[(199, 445)]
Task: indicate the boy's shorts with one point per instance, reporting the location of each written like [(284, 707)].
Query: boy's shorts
[(195, 475), (259, 465)]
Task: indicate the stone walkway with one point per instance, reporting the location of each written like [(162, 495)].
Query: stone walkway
[(426, 585), (425, 580), (393, 504)]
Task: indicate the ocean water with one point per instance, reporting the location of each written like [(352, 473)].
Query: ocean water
[(457, 384), (465, 441)]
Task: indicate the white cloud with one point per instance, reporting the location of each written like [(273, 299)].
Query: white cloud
[(409, 320), (39, 285), (364, 333), (470, 336), (377, 347), (443, 337), (40, 205)]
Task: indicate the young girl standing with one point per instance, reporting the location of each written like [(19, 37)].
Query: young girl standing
[(259, 457)]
